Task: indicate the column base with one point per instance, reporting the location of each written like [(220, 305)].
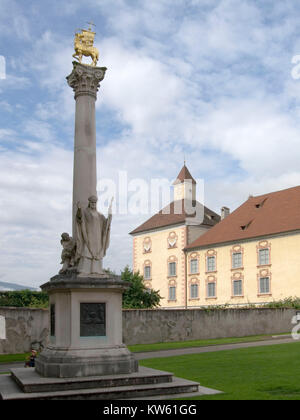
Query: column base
[(85, 328), (87, 362)]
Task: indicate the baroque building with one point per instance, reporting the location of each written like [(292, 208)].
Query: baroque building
[(249, 256), (159, 243), (252, 256)]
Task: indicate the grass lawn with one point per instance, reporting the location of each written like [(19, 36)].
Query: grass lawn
[(8, 358), (258, 373), (197, 343)]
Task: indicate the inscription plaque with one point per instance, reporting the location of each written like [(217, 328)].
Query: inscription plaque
[(52, 319), (92, 320)]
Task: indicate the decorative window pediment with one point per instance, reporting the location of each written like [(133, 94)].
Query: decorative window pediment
[(172, 240), (147, 245)]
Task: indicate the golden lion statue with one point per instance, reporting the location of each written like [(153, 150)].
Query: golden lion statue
[(83, 45)]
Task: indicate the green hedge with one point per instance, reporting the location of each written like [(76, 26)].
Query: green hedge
[(290, 302), (24, 298)]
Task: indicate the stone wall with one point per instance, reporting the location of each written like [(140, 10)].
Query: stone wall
[(153, 326), (27, 328)]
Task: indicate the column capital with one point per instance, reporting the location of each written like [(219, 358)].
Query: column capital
[(85, 79)]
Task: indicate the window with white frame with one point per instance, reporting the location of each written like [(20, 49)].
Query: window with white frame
[(172, 293), (264, 285), (194, 266), (211, 263), (194, 291), (211, 289), (264, 256), (172, 268), (147, 272), (236, 260), (237, 288)]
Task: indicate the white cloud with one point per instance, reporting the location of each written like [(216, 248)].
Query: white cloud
[(141, 89), (255, 133), (207, 79), (6, 106), (6, 134), (39, 129), (14, 82), (12, 20)]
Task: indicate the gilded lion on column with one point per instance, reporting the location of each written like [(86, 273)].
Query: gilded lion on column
[(84, 45)]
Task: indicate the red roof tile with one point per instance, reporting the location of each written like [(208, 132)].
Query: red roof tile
[(184, 174), (167, 216), (267, 214)]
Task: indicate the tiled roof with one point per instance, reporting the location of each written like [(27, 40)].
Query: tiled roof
[(267, 214), (184, 174), (161, 219)]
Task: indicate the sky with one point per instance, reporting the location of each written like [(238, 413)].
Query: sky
[(214, 82)]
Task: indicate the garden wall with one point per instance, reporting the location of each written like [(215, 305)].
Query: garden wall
[(26, 328), (153, 326)]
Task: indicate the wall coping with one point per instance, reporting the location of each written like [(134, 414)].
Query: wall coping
[(21, 308)]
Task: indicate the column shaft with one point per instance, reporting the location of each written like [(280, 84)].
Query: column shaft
[(85, 169), (85, 81)]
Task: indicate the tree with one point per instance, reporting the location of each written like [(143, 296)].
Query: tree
[(138, 296)]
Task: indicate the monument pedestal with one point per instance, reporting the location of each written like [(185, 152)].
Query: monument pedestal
[(87, 340)]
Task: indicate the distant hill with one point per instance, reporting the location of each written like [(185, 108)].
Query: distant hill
[(4, 286)]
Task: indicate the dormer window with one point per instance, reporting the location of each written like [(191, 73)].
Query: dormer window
[(259, 205), (244, 227)]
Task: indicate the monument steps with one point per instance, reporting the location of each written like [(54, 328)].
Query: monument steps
[(30, 381), (11, 389)]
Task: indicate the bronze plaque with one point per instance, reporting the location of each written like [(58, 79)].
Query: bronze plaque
[(92, 320)]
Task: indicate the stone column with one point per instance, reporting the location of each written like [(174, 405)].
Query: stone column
[(85, 311), (85, 81)]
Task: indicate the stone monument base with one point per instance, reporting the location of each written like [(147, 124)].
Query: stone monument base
[(27, 384), (85, 328), (79, 363)]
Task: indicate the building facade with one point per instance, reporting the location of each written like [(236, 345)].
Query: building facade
[(250, 257), (159, 243)]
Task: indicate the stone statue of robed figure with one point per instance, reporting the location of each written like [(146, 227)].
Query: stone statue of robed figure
[(92, 237)]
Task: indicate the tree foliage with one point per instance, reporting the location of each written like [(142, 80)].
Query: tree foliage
[(24, 298), (138, 296)]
